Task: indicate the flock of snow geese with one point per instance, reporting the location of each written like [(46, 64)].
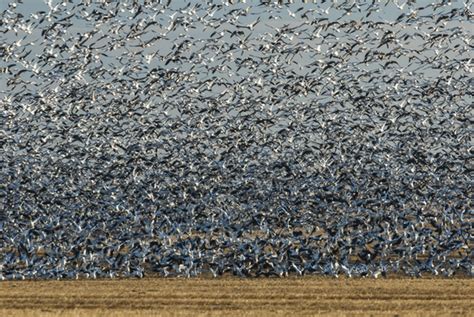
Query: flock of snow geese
[(272, 138)]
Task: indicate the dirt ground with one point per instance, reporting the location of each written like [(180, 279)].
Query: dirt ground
[(238, 297)]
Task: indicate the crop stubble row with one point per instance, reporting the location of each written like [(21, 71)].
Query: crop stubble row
[(158, 296)]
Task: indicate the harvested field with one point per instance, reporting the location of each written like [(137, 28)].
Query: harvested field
[(242, 297)]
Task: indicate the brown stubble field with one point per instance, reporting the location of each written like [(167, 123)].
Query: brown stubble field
[(239, 297)]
